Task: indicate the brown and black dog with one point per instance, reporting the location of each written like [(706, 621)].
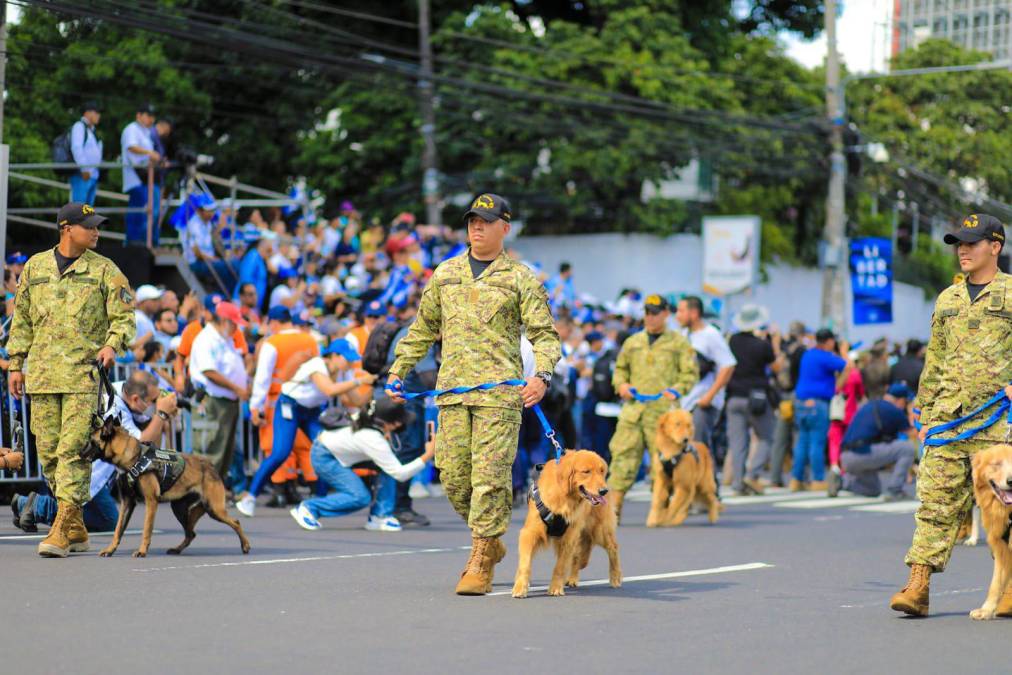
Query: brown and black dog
[(682, 474), (574, 491), (197, 490)]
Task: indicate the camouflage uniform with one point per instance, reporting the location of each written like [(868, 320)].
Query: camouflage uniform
[(670, 362), (60, 324), (479, 321), (967, 361)]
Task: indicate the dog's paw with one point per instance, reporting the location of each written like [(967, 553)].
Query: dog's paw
[(572, 582), (520, 590), (615, 580), (982, 614), (173, 551), (556, 589), (970, 541), (245, 549), (140, 554), (105, 553), (652, 522)]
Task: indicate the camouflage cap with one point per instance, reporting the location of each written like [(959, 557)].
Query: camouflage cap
[(977, 227)]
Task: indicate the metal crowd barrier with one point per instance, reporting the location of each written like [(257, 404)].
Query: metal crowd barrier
[(188, 431)]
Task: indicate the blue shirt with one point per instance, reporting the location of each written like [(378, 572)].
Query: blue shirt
[(817, 376), (864, 426), (253, 270)]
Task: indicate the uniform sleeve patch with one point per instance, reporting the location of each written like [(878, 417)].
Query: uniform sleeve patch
[(126, 296)]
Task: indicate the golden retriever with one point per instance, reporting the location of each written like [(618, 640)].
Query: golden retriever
[(992, 488), (573, 490), (682, 474)]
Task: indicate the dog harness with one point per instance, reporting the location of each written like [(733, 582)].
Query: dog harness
[(669, 465), (167, 465), (556, 524)]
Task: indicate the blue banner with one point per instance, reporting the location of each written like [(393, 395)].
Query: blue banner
[(871, 280)]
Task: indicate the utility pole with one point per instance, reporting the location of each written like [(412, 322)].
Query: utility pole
[(3, 62), (430, 177), (833, 254), (4, 149)]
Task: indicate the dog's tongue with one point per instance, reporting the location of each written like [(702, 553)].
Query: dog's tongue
[(1005, 496)]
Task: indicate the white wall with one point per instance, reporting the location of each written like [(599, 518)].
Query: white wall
[(605, 263)]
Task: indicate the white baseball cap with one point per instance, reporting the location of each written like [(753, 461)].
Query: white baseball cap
[(148, 292)]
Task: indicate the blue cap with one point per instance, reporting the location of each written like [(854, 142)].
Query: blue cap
[(594, 336), (900, 390), (17, 258), (204, 201), (342, 347), (211, 301), (375, 308), (287, 273), (302, 318), (279, 313)]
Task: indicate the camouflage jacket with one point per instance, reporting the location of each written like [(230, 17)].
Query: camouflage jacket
[(479, 322), (670, 362), (969, 355), (60, 323)]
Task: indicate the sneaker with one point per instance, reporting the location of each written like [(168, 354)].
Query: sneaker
[(418, 491), (14, 509), (834, 481), (410, 517), (753, 486), (27, 522), (246, 505), (304, 518), (383, 524)]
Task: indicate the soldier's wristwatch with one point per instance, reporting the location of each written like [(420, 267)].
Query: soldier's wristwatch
[(546, 377)]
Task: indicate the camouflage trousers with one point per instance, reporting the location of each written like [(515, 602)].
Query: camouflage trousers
[(945, 489), (61, 424), (475, 448), (627, 448)]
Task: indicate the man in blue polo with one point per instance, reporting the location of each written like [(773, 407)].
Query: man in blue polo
[(880, 435)]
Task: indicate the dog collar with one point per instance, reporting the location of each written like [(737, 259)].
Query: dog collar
[(555, 523), (669, 465)]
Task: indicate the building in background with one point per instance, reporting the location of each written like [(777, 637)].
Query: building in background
[(983, 25)]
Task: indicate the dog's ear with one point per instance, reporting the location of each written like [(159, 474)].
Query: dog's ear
[(108, 429), (976, 462)]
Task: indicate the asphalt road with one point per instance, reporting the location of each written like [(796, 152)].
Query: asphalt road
[(777, 586)]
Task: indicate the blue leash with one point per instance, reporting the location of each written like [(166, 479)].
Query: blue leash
[(545, 426), (1003, 406), (652, 397)]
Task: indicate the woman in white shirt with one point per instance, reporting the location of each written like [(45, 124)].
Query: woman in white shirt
[(368, 438), (302, 401)]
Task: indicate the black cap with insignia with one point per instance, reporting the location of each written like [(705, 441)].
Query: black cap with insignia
[(490, 208), (75, 213), (977, 227)]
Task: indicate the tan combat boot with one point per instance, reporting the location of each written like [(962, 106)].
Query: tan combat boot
[(475, 578), (77, 533), (1005, 604), (616, 498), (818, 486), (56, 545), (496, 552), (913, 599), (796, 485)]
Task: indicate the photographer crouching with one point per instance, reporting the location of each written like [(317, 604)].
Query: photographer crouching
[(145, 413)]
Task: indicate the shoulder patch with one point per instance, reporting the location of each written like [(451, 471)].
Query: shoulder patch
[(125, 295)]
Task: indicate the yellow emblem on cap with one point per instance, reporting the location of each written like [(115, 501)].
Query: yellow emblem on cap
[(87, 210), (653, 300), (971, 221), (483, 202)]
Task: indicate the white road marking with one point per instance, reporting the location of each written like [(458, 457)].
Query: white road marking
[(6, 537), (280, 561), (773, 498), (891, 507), (830, 502), (653, 577)]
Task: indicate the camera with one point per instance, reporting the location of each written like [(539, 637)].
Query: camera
[(188, 156)]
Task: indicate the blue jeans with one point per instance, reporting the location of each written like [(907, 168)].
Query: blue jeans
[(137, 223), (100, 514), (412, 439), (350, 492), (81, 190), (307, 419), (812, 425)]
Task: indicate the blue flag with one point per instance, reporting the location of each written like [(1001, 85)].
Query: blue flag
[(871, 280)]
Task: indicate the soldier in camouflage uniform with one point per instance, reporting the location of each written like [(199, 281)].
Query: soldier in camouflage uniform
[(650, 362), (73, 307), (969, 358), (478, 302)]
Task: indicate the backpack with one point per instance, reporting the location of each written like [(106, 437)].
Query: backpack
[(61, 151), (377, 347), (600, 385), (705, 363)]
